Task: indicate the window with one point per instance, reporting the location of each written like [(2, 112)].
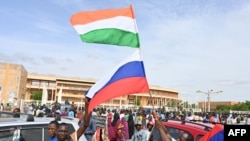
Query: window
[(6, 134), (198, 137), (32, 133), (24, 132), (35, 132), (175, 132), (35, 82), (71, 128), (6, 115)]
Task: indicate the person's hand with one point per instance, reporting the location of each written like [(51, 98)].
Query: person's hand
[(156, 116), (158, 123), (86, 101)]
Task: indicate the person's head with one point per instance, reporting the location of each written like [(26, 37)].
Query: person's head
[(184, 136), (16, 113), (150, 117), (138, 125), (115, 119), (52, 128), (63, 132), (150, 125)]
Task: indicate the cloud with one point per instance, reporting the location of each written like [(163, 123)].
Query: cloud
[(23, 57), (49, 60), (186, 45), (234, 82), (6, 58)]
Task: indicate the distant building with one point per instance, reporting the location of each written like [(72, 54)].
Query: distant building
[(16, 81), (213, 104), (13, 79)]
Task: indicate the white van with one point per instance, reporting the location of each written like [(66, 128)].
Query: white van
[(19, 129)]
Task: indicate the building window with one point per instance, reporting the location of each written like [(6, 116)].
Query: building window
[(35, 82), (52, 84)]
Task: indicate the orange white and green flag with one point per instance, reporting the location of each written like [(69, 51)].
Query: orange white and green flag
[(109, 26)]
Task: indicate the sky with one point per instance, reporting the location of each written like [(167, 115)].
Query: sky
[(186, 45)]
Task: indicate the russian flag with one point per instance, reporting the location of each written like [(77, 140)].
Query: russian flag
[(127, 78), (216, 134)]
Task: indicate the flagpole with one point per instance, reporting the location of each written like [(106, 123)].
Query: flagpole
[(120, 103), (135, 25), (136, 29), (150, 95)]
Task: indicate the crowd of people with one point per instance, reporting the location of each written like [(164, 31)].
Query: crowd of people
[(121, 126), (127, 124)]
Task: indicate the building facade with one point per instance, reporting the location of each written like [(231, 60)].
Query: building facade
[(203, 105), (14, 78), (73, 90)]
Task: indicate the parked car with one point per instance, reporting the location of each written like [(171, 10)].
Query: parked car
[(8, 114), (36, 130), (196, 129)]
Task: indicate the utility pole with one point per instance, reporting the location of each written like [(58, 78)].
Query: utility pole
[(208, 93)]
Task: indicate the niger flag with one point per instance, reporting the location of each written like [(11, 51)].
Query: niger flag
[(109, 26)]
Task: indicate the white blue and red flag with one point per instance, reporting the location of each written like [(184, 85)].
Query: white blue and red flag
[(127, 78)]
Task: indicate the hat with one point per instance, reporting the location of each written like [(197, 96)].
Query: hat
[(138, 122)]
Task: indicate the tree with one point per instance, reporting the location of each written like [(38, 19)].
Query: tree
[(244, 106), (37, 95), (173, 103), (138, 102), (193, 105), (223, 108), (240, 107), (248, 104)]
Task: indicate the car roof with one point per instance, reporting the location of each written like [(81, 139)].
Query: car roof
[(7, 122), (8, 114), (197, 127), (37, 120)]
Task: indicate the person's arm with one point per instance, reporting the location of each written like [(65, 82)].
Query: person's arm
[(86, 118), (162, 129), (165, 136)]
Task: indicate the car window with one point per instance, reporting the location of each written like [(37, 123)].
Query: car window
[(175, 132), (6, 115), (28, 132), (32, 134), (199, 137), (24, 132), (71, 128), (6, 134), (46, 133)]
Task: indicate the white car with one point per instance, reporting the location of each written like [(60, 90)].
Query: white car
[(19, 129)]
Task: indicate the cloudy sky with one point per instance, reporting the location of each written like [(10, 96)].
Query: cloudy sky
[(187, 45)]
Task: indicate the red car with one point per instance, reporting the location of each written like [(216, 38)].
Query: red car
[(196, 129)]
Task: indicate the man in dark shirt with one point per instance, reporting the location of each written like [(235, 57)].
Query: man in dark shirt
[(63, 133)]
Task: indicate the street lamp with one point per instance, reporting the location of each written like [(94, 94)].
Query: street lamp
[(208, 93)]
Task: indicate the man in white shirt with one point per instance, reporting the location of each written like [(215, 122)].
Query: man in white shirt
[(139, 135)]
